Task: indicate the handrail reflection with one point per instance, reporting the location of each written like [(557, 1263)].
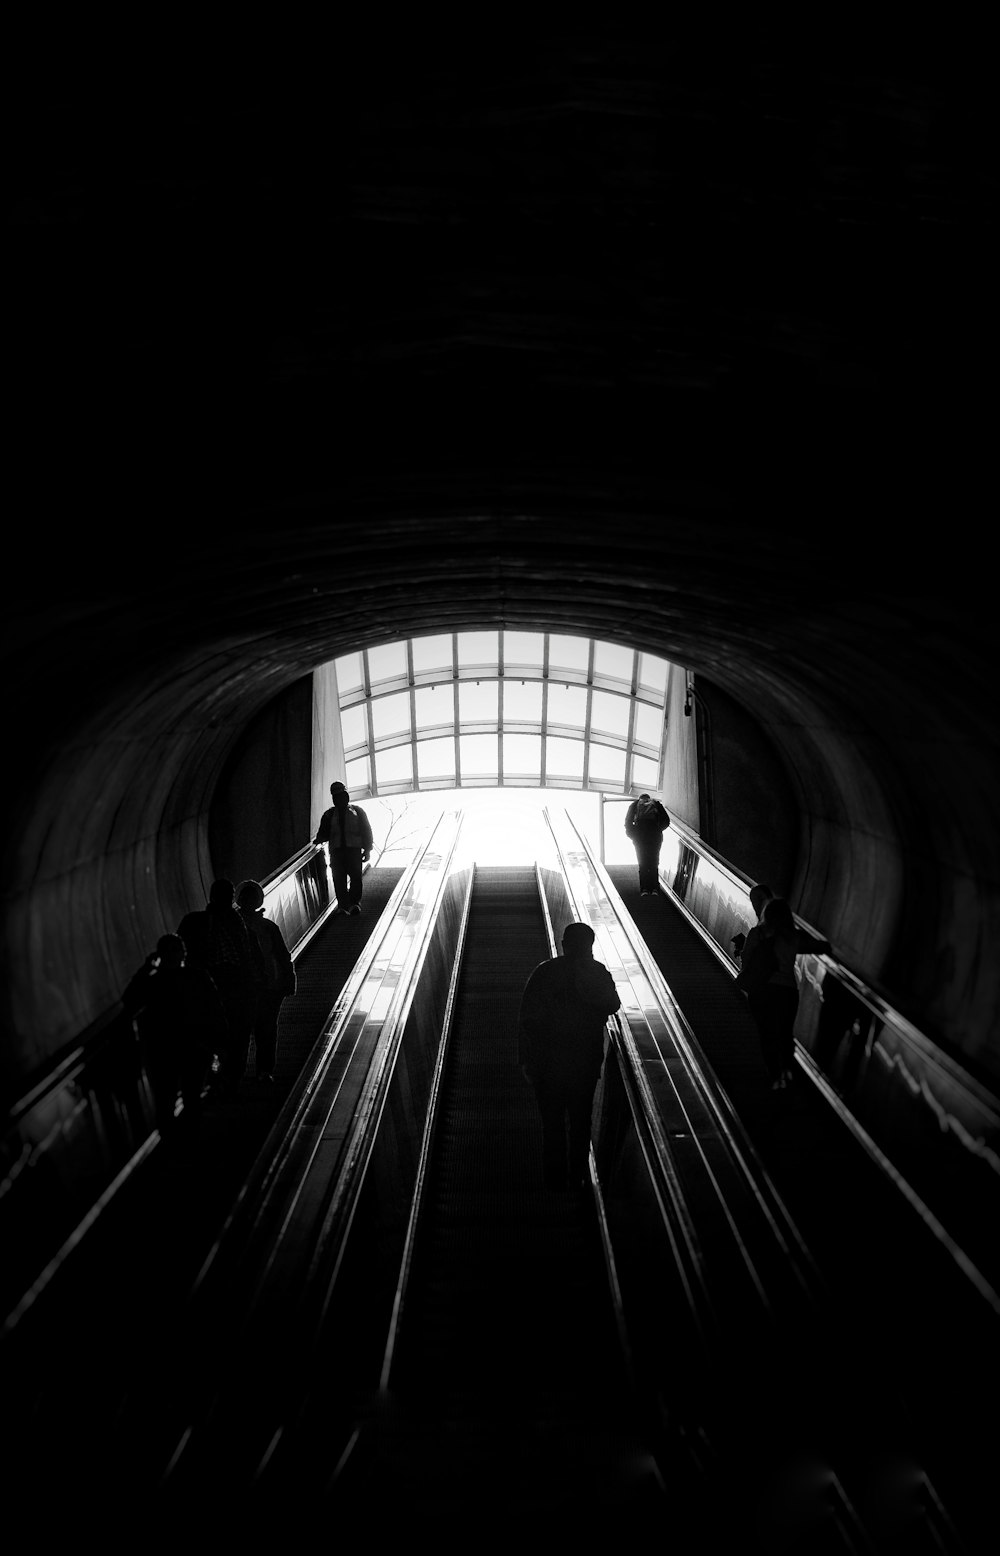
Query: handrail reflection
[(694, 1098), (364, 1003), (884, 1078), (282, 1245)]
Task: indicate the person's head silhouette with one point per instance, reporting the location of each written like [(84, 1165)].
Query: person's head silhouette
[(221, 893), (171, 950), (578, 940), (250, 895), (778, 918)]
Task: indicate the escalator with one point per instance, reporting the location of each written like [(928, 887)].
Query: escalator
[(900, 1303), (505, 1384), (394, 1344), (86, 1355), (399, 1329)]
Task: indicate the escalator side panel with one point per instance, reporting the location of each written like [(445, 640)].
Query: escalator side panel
[(898, 1306), (510, 1386), (98, 1426), (925, 1109)]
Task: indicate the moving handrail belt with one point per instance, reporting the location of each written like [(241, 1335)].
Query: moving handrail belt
[(685, 1114), (280, 1248), (887, 1082), (718, 1189)]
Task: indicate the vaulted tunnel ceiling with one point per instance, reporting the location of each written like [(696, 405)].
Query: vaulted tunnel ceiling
[(617, 338)]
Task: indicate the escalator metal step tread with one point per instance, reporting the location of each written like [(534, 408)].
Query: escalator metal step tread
[(510, 1283)]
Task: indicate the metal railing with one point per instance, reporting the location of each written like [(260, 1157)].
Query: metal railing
[(931, 1127), (81, 1131), (284, 1244)]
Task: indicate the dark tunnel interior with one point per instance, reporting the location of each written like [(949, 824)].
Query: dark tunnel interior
[(686, 344), (683, 347)]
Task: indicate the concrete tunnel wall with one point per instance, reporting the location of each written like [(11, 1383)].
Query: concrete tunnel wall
[(114, 844), (678, 347)]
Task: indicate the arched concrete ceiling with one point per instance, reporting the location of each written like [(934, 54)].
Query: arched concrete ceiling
[(620, 338)]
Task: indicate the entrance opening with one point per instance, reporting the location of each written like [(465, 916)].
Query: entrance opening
[(502, 826)]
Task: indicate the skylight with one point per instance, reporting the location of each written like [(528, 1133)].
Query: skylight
[(501, 708)]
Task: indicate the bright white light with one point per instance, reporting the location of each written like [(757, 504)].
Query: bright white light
[(502, 826)]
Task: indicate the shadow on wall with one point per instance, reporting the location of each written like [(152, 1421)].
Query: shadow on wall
[(755, 809), (260, 810)]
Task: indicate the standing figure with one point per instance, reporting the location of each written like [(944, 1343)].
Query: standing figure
[(279, 975), (218, 942), (346, 831), (181, 1023), (767, 977), (760, 896), (645, 823), (564, 1008)]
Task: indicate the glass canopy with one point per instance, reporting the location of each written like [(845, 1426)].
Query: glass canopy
[(499, 708)]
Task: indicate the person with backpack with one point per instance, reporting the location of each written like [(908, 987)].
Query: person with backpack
[(347, 833), (646, 820)]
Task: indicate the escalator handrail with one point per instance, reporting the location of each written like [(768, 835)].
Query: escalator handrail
[(277, 1172), (291, 865), (674, 1211), (72, 1061), (418, 1198), (879, 1002), (597, 1195), (930, 1054), (730, 1130), (273, 1158), (697, 843)]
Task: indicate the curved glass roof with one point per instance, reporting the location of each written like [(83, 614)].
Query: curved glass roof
[(485, 709)]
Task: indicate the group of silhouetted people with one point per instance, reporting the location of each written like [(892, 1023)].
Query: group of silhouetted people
[(218, 984), (215, 986), (202, 996)]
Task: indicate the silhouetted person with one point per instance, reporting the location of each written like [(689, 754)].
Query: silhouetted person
[(759, 895), (279, 975), (645, 823), (346, 831), (181, 1024), (565, 1005), (218, 941), (767, 977)]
